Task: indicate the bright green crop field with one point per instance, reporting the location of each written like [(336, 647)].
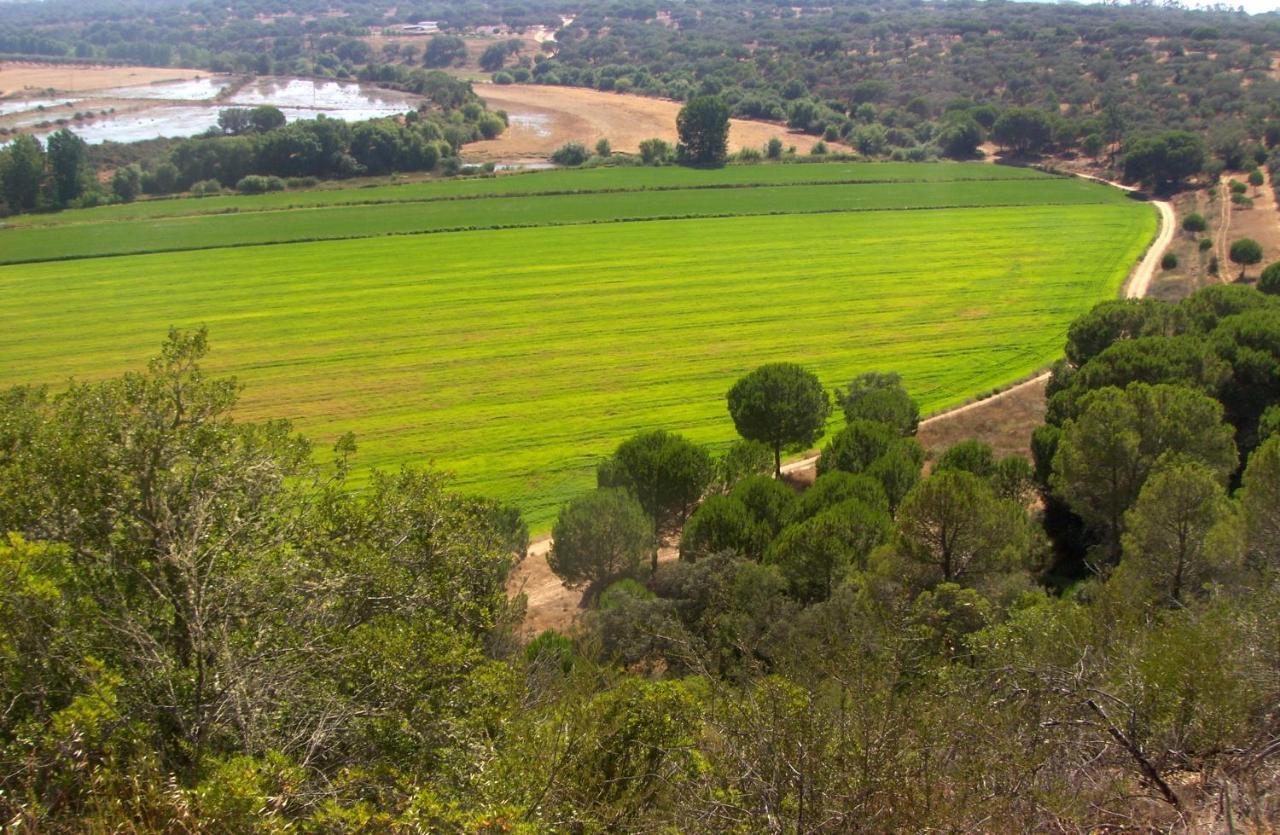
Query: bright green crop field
[(516, 358)]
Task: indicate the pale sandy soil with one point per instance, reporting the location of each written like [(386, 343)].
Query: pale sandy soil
[(1005, 420), (1260, 222), (550, 603), (547, 117), (18, 77)]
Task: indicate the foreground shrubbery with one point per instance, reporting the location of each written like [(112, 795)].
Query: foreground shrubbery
[(201, 630)]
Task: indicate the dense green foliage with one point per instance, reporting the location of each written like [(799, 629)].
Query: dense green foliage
[(201, 629), (1147, 380), (780, 405), (703, 128), (1152, 90)]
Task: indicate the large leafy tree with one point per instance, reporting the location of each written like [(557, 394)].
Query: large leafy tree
[(1111, 321), (1246, 252), (600, 536), (667, 473), (880, 397), (1023, 130), (956, 527), (1181, 529), (67, 155), (1165, 159), (1261, 501), (781, 405), (22, 171), (703, 129), (1105, 455), (816, 554)]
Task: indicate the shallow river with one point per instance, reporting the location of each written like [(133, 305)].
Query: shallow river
[(188, 108)]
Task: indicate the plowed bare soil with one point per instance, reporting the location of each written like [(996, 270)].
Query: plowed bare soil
[(548, 117)]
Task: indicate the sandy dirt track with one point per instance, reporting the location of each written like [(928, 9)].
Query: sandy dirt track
[(547, 117), (552, 605), (18, 77)]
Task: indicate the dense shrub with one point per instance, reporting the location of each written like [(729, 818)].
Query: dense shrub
[(1269, 281), (259, 184), (571, 154), (206, 188)]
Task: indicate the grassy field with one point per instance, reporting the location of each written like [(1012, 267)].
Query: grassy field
[(542, 182), (398, 218), (517, 357)]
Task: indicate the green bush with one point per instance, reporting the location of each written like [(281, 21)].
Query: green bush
[(1255, 177), (491, 126), (654, 151), (503, 78), (206, 188), (1169, 261), (1238, 187), (571, 154), (1194, 222), (1206, 244), (258, 184), (1269, 281), (620, 591)]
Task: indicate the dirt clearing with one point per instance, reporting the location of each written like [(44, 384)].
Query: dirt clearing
[(543, 118), (19, 78), (1260, 221)]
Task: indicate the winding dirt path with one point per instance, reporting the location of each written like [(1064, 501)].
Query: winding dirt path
[(552, 605)]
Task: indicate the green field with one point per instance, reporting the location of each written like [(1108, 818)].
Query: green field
[(517, 357), (544, 182)]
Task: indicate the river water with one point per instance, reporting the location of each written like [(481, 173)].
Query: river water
[(187, 108)]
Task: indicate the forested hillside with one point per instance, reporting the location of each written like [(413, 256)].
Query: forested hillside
[(1108, 71)]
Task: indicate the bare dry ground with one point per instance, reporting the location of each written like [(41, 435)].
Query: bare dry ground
[(1006, 423), (547, 117), (1259, 221), (1227, 222), (18, 77), (550, 604)]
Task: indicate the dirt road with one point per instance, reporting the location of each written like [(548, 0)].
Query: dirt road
[(551, 605)]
